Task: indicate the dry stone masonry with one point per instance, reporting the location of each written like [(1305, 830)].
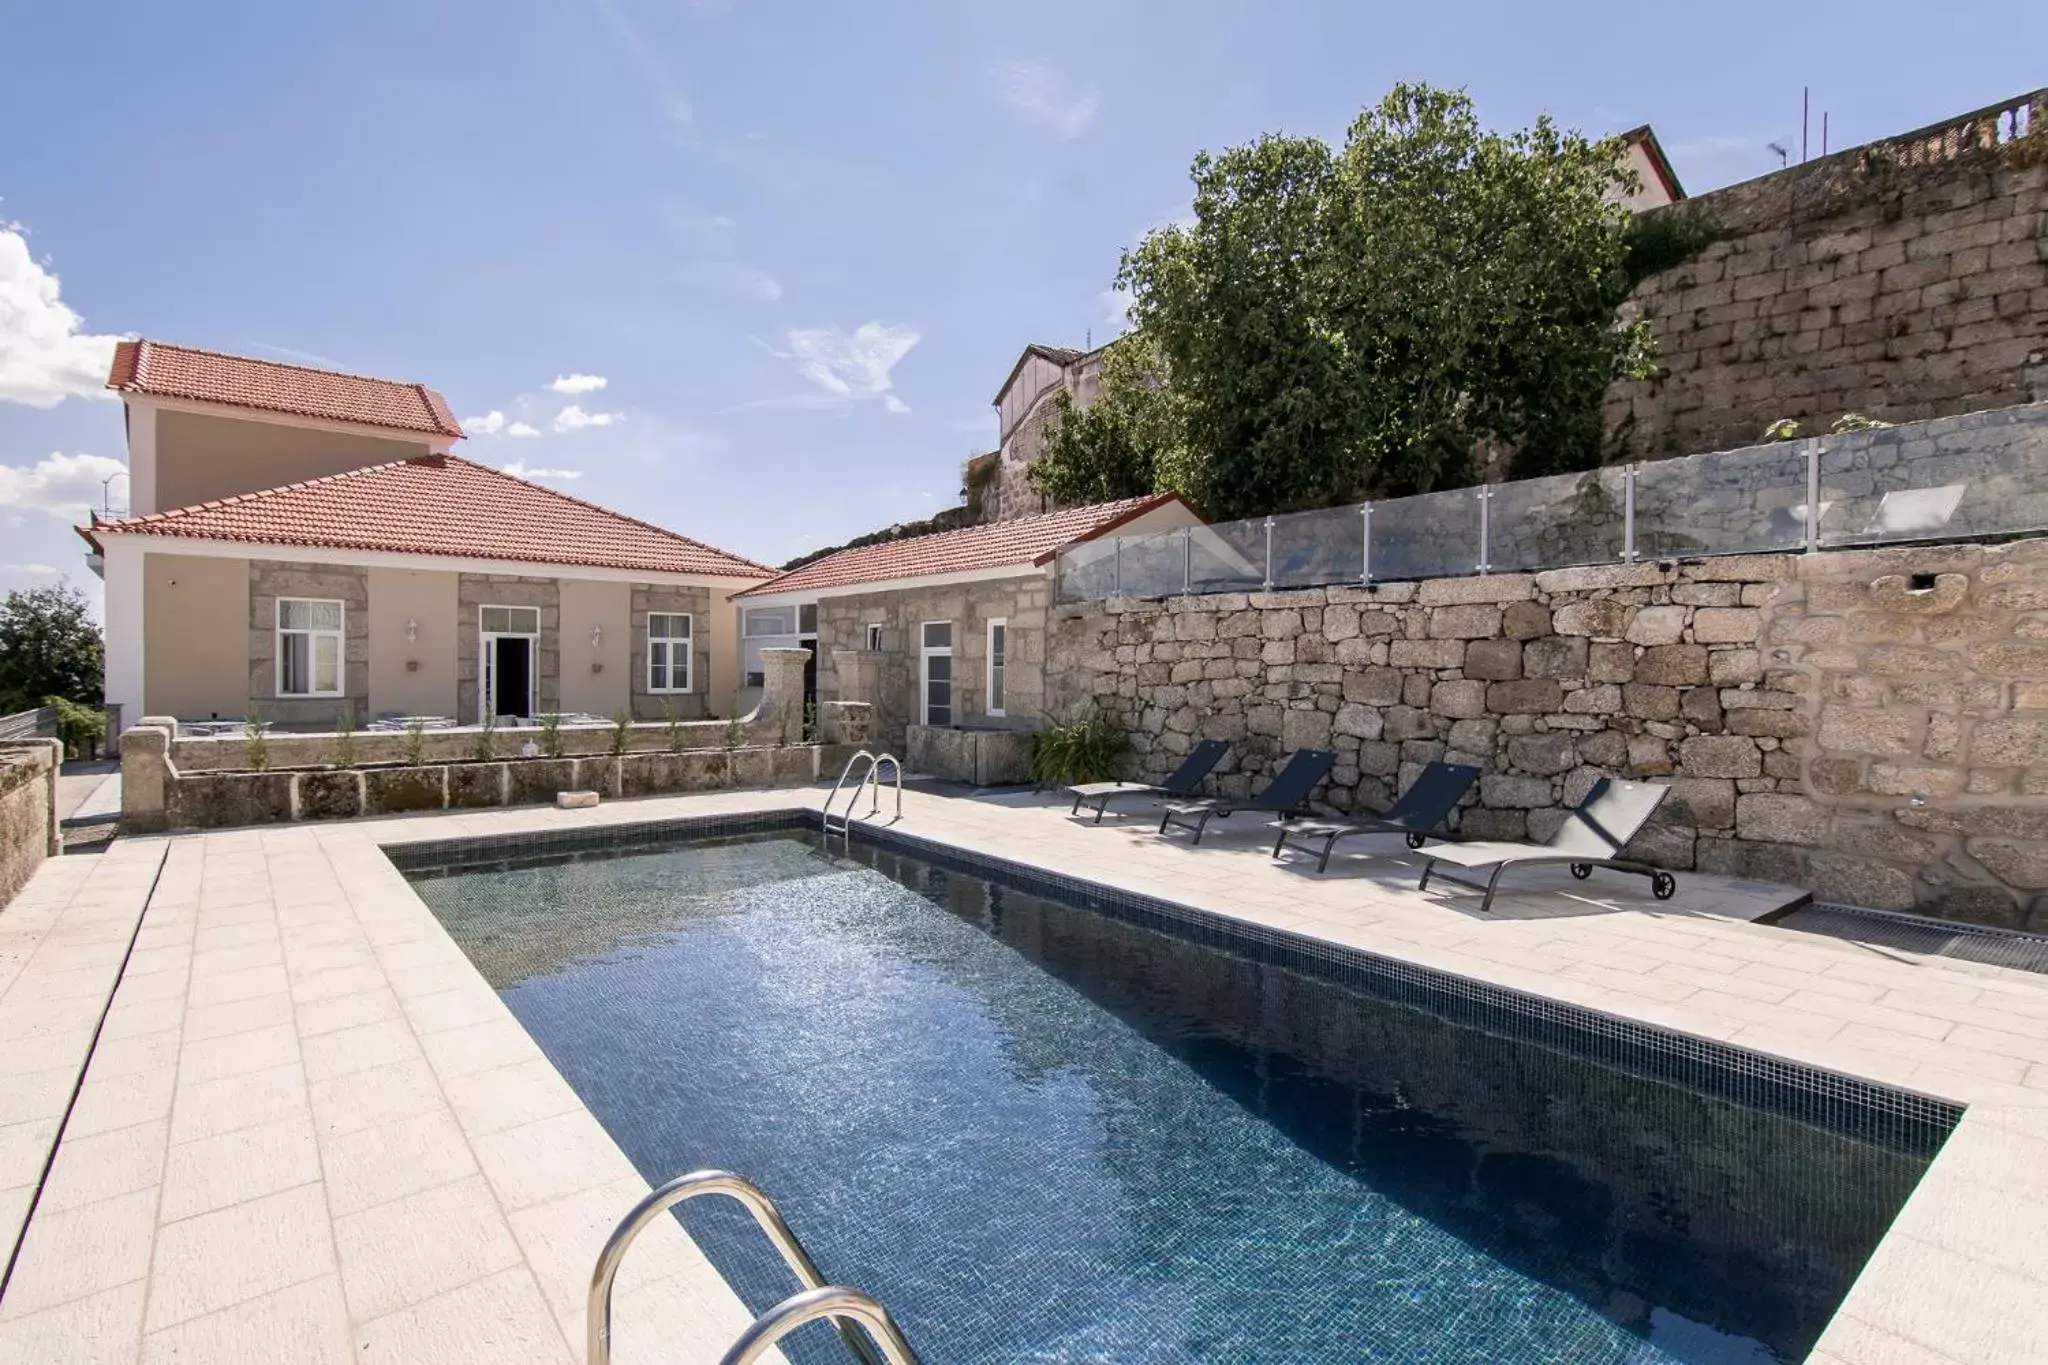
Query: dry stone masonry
[(1872, 724)]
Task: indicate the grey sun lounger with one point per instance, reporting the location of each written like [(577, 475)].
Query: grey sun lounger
[(1286, 795), (1591, 836), (1428, 801), (1183, 781)]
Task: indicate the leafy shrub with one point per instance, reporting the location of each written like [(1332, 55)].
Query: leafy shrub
[(1784, 429), (671, 726), (415, 751), (622, 731), (1856, 421), (80, 728), (1091, 750), (551, 734), (255, 744), (344, 751), (485, 747)]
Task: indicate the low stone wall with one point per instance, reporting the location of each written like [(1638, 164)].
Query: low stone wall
[(1872, 724), (29, 830), (986, 758), (213, 800)]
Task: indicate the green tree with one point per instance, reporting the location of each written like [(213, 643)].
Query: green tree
[(1338, 323), (49, 647), (1132, 440)]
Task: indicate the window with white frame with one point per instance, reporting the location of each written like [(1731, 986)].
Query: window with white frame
[(937, 679), (998, 664), (668, 651), (875, 637), (308, 647)]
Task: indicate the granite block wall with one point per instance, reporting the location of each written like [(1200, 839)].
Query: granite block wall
[(1871, 724)]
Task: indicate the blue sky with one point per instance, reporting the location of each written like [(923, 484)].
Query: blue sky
[(802, 243)]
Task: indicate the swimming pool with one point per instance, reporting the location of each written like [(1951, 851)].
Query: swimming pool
[(1047, 1123)]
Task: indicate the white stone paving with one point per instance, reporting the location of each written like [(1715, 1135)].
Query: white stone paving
[(311, 1131)]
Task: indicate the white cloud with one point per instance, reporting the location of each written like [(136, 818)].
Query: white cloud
[(574, 418), (573, 384), (31, 568), (65, 486), (46, 356), (490, 424), (521, 429), (851, 367), (519, 469), (740, 281), (1041, 96)]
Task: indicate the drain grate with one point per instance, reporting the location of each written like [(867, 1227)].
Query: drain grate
[(1911, 933)]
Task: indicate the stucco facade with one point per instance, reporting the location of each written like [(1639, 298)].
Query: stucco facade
[(206, 626), (201, 456)]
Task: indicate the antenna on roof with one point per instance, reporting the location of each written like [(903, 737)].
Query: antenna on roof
[(1805, 104), (1088, 344)]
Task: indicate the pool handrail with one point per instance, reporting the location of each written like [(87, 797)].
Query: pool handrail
[(756, 1201), (835, 1301), (871, 779)]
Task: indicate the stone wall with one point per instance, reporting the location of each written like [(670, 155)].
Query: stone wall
[(1852, 283), (893, 687), (1872, 724), (28, 810)]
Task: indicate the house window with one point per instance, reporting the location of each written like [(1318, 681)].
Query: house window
[(998, 664), (308, 647), (875, 638), (668, 651), (938, 672), (767, 628)]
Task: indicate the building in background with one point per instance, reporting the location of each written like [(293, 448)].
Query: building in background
[(302, 545)]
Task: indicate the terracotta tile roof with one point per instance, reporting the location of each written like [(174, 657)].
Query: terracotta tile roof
[(439, 505), (165, 371), (1025, 540)]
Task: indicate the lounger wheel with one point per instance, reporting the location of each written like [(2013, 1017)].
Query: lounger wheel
[(1582, 870), (1416, 840), (1663, 886)]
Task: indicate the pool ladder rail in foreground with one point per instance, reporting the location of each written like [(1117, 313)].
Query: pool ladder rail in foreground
[(870, 782), (868, 1330)]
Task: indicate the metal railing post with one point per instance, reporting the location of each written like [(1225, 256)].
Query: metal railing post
[(1187, 559), (1116, 571), (1365, 560), (1628, 514), (1812, 495), (1485, 524), (1269, 552)]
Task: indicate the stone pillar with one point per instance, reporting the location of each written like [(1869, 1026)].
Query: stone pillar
[(779, 719), (146, 774), (860, 675)]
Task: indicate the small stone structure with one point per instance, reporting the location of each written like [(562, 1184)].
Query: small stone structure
[(29, 830), (1872, 724), (187, 783), (986, 758)]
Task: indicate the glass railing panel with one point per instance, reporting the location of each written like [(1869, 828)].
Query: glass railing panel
[(1732, 502), (1557, 522), (1431, 535)]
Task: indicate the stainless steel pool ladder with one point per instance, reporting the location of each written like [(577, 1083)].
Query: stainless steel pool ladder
[(868, 1330), (870, 782)]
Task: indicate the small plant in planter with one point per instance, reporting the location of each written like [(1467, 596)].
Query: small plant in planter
[(672, 726), (622, 732), (1090, 750), (414, 752), (255, 744), (486, 746), (551, 734), (344, 752)]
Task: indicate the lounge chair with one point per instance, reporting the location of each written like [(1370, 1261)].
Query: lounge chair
[(1184, 781), (1286, 795), (1429, 799), (1591, 836)]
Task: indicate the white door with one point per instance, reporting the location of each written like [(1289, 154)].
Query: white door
[(936, 676), (508, 662)]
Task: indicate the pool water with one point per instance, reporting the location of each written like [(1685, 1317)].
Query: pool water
[(1039, 1132)]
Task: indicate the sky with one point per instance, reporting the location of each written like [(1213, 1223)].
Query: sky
[(752, 270)]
